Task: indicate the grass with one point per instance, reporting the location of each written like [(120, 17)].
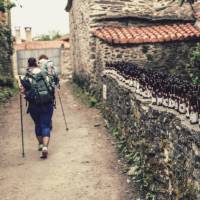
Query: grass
[(85, 96)]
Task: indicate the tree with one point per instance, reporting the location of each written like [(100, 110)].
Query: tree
[(6, 5), (187, 1), (52, 35), (191, 2)]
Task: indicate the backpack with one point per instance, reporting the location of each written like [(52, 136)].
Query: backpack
[(48, 67), (38, 88)]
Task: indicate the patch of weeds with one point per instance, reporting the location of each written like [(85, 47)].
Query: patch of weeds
[(7, 92), (93, 101), (134, 159), (86, 98)]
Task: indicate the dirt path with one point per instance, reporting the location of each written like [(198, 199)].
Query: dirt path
[(82, 163)]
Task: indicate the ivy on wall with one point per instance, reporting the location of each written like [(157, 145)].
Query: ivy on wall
[(7, 86), (5, 50), (194, 66)]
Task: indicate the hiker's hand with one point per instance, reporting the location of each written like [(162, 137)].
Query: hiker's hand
[(22, 90), (58, 86)]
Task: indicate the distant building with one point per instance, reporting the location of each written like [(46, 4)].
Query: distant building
[(57, 51)]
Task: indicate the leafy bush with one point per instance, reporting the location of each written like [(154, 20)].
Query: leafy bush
[(194, 68), (186, 1), (6, 93), (195, 57), (6, 81)]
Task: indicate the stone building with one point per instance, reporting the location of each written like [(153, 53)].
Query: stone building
[(159, 34), (172, 31)]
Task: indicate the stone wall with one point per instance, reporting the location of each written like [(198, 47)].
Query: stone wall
[(162, 146), (153, 10), (86, 16), (80, 40), (6, 75), (66, 68), (171, 57)]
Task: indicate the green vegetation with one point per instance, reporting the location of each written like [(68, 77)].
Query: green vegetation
[(5, 6), (85, 96), (52, 35), (7, 92), (143, 171), (195, 57), (194, 67), (7, 84), (6, 81), (187, 1)]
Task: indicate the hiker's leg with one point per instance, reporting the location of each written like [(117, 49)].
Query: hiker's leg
[(46, 141), (46, 124), (40, 140), (46, 121), (38, 130)]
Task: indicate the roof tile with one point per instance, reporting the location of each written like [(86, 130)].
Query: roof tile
[(149, 34)]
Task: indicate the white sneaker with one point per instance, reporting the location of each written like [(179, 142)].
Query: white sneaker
[(44, 153)]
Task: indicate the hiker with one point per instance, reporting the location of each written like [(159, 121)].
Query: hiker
[(39, 88), (48, 66)]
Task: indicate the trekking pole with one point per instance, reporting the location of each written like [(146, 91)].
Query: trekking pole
[(63, 112), (22, 125)]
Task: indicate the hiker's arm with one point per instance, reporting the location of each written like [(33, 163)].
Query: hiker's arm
[(25, 84)]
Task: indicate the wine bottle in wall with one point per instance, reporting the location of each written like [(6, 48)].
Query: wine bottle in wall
[(148, 88), (172, 101), (142, 86), (176, 97), (150, 84), (159, 92), (165, 94), (154, 91), (172, 96), (187, 108), (166, 100), (182, 102), (159, 99), (188, 102), (194, 118), (137, 86)]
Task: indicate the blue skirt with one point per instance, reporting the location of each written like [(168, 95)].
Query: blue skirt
[(42, 117)]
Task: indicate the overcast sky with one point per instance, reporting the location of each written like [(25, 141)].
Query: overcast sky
[(42, 15)]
